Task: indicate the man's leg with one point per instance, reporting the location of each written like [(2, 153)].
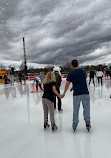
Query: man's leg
[(93, 82), (98, 81), (89, 81), (101, 81), (86, 107), (59, 102), (76, 106)]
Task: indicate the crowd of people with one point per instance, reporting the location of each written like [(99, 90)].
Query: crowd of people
[(50, 85), (99, 75), (11, 79)]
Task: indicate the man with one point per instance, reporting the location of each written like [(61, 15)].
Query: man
[(42, 77), (78, 78), (20, 77), (58, 84), (107, 73), (110, 74), (24, 78), (92, 74), (12, 79)]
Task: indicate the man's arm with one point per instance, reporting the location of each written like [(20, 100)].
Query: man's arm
[(66, 88)]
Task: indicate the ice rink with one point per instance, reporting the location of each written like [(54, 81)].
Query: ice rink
[(21, 125)]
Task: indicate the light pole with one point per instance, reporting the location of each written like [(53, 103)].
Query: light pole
[(25, 60)]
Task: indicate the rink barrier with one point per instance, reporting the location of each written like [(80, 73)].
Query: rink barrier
[(64, 76)]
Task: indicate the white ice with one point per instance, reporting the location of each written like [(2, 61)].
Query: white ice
[(21, 125)]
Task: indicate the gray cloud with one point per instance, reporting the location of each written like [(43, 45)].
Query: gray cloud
[(56, 31)]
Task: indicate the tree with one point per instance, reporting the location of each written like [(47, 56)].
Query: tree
[(2, 67)]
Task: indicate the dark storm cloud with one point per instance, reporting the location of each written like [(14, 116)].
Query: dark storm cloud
[(56, 31)]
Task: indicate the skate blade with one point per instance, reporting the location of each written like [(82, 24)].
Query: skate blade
[(46, 129), (54, 130), (74, 130), (88, 129)]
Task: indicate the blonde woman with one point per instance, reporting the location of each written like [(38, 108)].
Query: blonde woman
[(48, 100)]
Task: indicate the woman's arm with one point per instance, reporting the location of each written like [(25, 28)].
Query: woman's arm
[(55, 91)]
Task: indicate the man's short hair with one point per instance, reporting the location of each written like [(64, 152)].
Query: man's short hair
[(74, 63)]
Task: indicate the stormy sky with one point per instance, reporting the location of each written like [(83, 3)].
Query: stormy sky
[(55, 31)]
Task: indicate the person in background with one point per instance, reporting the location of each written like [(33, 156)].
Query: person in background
[(42, 77), (91, 77), (107, 73), (58, 84), (6, 79), (20, 77), (48, 100), (12, 79), (24, 78), (110, 74), (37, 83), (81, 94), (99, 75)]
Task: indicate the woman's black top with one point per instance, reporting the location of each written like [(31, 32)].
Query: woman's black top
[(48, 91)]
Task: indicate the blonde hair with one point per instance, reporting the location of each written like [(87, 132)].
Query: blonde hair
[(50, 77)]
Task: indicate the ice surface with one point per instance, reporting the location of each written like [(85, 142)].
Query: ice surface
[(21, 125)]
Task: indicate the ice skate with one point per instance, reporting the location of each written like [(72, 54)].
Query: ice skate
[(74, 128), (61, 110), (54, 127), (88, 126), (46, 126)]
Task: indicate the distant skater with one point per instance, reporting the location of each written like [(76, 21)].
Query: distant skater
[(58, 85), (107, 73), (12, 79), (99, 75), (110, 74), (24, 78), (37, 83), (6, 79), (91, 77), (20, 77), (42, 77), (48, 100), (81, 94)]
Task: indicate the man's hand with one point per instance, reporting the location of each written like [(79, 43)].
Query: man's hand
[(71, 89), (62, 96)]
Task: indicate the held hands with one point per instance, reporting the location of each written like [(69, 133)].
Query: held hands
[(62, 96), (71, 89)]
